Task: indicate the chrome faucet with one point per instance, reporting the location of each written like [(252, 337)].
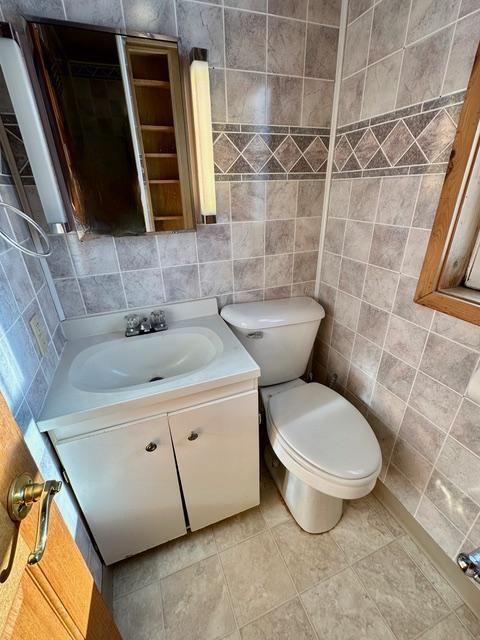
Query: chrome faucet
[(137, 326), (469, 563)]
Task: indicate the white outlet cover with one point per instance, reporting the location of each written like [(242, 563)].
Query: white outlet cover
[(38, 332)]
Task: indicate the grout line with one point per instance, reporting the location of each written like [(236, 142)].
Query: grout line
[(450, 49), (271, 15), (302, 96), (349, 359), (362, 102), (122, 12), (406, 44), (331, 146), (297, 591), (229, 593)]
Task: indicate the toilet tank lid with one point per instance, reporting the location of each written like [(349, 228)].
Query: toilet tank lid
[(272, 313)]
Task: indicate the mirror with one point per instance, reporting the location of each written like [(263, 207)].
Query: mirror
[(117, 108)]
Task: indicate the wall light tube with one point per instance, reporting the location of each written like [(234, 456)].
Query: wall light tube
[(202, 124), (21, 94)]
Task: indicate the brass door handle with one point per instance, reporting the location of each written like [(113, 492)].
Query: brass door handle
[(22, 494)]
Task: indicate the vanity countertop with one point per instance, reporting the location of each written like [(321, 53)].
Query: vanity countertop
[(67, 404)]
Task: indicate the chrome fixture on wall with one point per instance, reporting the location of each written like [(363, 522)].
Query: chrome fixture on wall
[(38, 229), (469, 563)]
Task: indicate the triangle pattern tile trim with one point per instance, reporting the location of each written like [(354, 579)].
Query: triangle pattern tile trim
[(413, 155), (272, 166), (355, 136), (303, 142), (379, 161), (381, 131), (418, 122), (240, 140), (352, 164), (301, 166), (241, 166), (273, 140)]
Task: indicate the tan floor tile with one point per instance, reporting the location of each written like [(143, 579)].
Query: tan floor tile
[(341, 609), (184, 551), (448, 629), (157, 563), (362, 529), (391, 522), (238, 528), (196, 603), (135, 573), (288, 622), (139, 614), (469, 619), (450, 596), (406, 599), (273, 508), (257, 577), (309, 557)]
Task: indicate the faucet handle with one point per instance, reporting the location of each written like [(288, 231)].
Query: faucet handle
[(157, 319), (133, 324)]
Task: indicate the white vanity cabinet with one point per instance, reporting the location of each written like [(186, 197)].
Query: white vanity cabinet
[(129, 478), (130, 495), (215, 445)]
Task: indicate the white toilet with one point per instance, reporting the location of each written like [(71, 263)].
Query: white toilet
[(322, 449)]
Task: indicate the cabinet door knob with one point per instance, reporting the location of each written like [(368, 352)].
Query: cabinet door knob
[(151, 446), (193, 436)]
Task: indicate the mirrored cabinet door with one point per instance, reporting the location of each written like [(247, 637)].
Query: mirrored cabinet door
[(118, 114)]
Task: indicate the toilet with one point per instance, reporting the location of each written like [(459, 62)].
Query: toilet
[(321, 449)]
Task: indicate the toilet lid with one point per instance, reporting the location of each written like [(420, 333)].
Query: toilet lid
[(326, 430)]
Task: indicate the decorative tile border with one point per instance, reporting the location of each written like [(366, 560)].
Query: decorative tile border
[(250, 152), (417, 139)]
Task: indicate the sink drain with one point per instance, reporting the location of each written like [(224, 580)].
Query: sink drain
[(155, 379)]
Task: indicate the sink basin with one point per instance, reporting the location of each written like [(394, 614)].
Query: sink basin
[(140, 360)]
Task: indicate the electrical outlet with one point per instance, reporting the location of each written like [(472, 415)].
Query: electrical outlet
[(38, 332)]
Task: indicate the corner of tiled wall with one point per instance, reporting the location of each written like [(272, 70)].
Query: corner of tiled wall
[(405, 70)]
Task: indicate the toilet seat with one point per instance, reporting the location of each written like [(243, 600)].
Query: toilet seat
[(323, 439)]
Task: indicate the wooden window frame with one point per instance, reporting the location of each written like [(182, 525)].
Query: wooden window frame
[(453, 236)]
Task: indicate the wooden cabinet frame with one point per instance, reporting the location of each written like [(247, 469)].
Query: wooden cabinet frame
[(457, 223), (145, 47)]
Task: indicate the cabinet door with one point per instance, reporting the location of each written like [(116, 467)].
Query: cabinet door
[(130, 496), (216, 446)]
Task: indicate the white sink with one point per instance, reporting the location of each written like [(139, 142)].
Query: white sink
[(143, 360)]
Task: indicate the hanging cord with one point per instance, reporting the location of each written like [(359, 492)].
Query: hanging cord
[(37, 227)]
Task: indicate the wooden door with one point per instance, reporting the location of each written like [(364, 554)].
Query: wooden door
[(216, 446), (55, 599), (125, 479)]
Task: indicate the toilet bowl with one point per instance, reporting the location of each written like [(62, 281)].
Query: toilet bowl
[(321, 449)]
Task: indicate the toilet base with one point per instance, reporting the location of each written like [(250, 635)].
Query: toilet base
[(314, 511)]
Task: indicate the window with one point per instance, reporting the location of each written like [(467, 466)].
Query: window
[(450, 276)]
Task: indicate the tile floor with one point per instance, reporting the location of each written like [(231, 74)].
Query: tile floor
[(258, 576)]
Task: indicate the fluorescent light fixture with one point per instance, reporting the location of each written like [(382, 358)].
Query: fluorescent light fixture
[(202, 123), (21, 94)]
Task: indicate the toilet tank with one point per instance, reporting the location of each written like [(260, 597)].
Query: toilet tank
[(278, 334)]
